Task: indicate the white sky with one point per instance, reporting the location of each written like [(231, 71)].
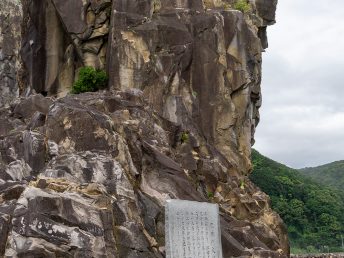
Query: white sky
[(302, 117)]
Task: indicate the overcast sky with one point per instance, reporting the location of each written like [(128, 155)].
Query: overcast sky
[(302, 117)]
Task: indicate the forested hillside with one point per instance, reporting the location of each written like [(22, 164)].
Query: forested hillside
[(312, 212), (331, 174)]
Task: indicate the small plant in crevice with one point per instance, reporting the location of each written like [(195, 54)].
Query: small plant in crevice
[(242, 184), (184, 137), (194, 94), (210, 195), (242, 6), (90, 80)]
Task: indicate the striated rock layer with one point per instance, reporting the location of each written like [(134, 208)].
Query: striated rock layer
[(88, 175)]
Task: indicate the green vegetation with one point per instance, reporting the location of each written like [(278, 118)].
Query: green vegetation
[(242, 6), (210, 195), (312, 212), (90, 79), (226, 6), (330, 174), (242, 184), (184, 137), (194, 94)]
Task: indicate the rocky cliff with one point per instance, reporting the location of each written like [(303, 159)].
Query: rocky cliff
[(88, 175)]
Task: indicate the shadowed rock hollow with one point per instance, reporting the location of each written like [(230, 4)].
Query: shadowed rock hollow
[(88, 175)]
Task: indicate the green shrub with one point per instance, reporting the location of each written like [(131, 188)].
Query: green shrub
[(90, 79), (242, 5)]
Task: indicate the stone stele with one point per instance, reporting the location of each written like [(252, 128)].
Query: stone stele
[(192, 230)]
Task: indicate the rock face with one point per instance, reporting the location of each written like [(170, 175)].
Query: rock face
[(10, 42), (60, 37), (88, 175)]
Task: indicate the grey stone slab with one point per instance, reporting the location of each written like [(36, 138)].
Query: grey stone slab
[(192, 230)]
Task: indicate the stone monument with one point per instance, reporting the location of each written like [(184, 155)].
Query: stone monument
[(192, 230)]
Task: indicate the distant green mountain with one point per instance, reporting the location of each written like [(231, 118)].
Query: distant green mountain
[(331, 174), (313, 213)]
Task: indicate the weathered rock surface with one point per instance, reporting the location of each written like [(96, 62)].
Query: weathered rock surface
[(91, 179), (88, 175), (10, 43), (186, 59)]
